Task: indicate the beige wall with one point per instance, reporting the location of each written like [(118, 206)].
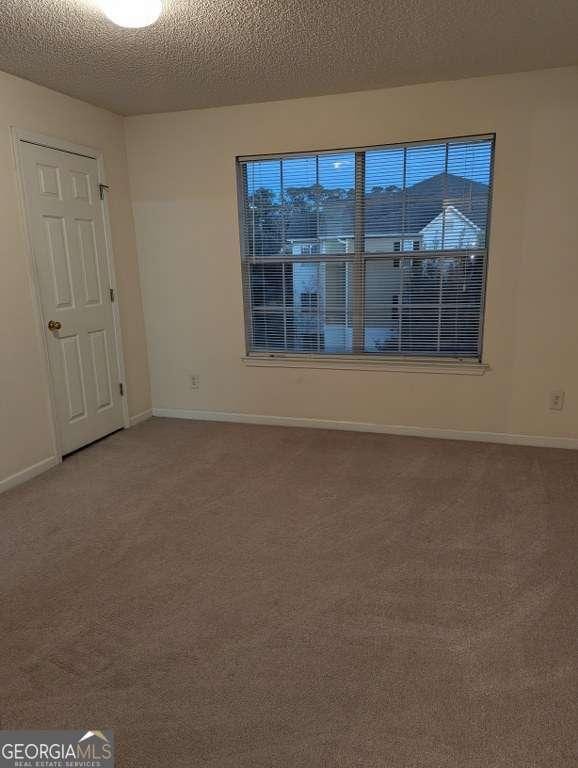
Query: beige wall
[(184, 196), (25, 431), (182, 169)]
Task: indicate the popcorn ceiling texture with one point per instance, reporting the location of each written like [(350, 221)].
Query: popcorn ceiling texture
[(205, 53)]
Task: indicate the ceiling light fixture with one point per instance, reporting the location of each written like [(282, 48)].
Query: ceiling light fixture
[(132, 13)]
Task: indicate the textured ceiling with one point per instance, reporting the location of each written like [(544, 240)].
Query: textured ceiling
[(213, 52)]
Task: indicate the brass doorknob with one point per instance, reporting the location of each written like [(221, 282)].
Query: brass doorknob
[(54, 325)]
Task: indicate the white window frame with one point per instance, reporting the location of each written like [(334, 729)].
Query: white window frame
[(371, 361)]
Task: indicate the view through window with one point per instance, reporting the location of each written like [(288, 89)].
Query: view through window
[(379, 251)]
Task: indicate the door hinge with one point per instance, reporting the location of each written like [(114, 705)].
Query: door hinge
[(121, 388), (111, 292), (101, 188)]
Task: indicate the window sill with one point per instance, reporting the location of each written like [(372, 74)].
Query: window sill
[(343, 363)]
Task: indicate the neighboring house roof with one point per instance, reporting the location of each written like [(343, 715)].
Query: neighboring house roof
[(453, 209), (391, 211), (468, 197)]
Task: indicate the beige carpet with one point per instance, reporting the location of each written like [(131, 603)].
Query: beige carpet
[(230, 596)]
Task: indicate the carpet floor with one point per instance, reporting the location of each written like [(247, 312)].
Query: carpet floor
[(231, 596)]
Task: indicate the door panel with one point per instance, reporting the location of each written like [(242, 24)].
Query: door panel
[(81, 186), (99, 348), (67, 232), (55, 232), (49, 179), (73, 377), (89, 260)]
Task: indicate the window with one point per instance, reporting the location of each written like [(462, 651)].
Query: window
[(309, 301), (305, 249), (379, 251)]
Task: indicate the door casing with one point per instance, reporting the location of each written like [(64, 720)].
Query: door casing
[(19, 136)]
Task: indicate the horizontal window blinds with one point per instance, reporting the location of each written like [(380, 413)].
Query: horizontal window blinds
[(380, 251)]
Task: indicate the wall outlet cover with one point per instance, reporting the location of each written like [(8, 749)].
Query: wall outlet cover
[(556, 399)]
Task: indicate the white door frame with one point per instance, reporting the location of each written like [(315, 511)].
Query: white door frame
[(51, 142)]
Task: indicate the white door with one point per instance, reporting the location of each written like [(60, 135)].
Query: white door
[(67, 231)]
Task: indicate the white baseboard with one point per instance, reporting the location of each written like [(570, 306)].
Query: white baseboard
[(142, 416), (540, 441), (27, 474)]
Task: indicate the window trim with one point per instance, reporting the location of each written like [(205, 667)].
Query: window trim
[(388, 145), (355, 360), (367, 362)]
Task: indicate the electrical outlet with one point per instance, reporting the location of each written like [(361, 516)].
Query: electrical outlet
[(556, 399), (194, 380)]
